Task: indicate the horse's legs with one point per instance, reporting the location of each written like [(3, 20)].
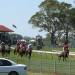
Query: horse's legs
[(15, 51), (20, 53), (59, 57), (30, 54), (26, 53), (64, 57)]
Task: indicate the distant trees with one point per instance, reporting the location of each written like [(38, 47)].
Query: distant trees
[(14, 37)]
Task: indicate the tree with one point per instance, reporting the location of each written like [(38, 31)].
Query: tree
[(54, 16)]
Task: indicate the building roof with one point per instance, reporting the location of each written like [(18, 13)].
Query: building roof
[(5, 29)]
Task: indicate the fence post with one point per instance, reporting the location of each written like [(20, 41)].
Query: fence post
[(54, 67), (41, 64), (69, 68)]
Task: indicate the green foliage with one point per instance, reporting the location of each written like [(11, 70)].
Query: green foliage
[(49, 9), (54, 16)]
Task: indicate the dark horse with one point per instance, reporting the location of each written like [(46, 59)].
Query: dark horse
[(63, 55)]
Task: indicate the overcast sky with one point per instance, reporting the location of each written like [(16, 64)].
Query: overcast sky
[(18, 12)]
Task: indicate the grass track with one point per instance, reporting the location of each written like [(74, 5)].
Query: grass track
[(46, 64)]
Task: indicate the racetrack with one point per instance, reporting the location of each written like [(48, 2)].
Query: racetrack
[(53, 52), (50, 52)]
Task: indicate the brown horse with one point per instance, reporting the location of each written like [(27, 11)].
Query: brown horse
[(63, 55), (20, 49)]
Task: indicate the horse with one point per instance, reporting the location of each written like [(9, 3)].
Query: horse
[(20, 49), (63, 55)]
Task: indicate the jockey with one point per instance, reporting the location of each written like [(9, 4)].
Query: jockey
[(29, 50), (65, 48), (2, 45), (29, 47)]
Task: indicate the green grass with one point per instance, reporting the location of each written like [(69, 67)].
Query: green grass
[(58, 49), (34, 73), (46, 64)]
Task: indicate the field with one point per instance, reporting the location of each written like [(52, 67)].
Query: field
[(46, 64)]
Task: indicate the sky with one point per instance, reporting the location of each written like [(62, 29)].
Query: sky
[(18, 12)]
